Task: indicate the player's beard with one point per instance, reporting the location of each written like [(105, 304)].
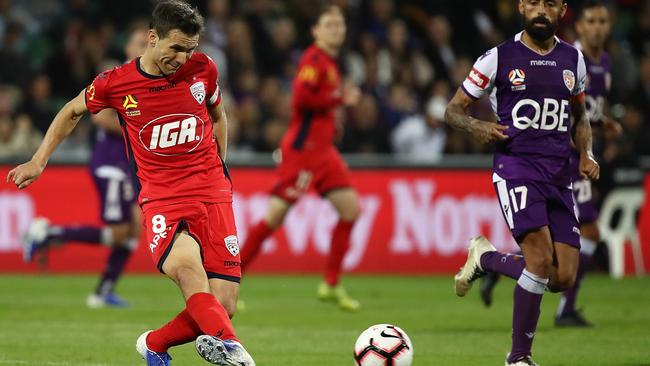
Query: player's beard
[(540, 33)]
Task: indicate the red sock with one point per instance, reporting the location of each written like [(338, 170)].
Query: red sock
[(210, 316), (180, 330), (338, 248), (251, 248)]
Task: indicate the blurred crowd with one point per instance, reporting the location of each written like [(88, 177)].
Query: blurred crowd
[(408, 57)]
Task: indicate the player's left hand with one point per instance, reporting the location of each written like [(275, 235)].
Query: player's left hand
[(25, 174), (589, 168)]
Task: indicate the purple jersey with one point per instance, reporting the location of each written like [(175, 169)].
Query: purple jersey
[(598, 84), (530, 93), (113, 177), (597, 87)]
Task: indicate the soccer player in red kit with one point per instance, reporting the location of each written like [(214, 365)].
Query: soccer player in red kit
[(309, 157), (174, 126)]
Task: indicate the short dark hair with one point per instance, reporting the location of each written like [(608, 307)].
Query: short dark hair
[(320, 9), (590, 4), (176, 14)]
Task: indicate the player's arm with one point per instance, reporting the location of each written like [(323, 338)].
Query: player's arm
[(62, 125), (107, 119), (588, 166), (456, 116), (309, 95), (478, 83), (220, 128)]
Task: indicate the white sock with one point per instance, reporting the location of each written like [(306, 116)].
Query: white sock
[(587, 246), (532, 282)]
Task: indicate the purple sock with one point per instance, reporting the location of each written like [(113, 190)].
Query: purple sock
[(526, 309), (117, 260), (82, 234), (507, 264), (568, 300)]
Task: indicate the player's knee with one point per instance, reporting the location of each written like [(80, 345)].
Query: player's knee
[(350, 214), (564, 281), (185, 275), (541, 265)]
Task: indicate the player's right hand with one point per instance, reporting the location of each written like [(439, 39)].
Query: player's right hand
[(25, 174), (351, 94), (488, 132)]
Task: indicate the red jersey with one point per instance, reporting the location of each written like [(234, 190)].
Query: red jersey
[(167, 129), (316, 94)]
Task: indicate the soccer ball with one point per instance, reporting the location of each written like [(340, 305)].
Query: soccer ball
[(383, 345)]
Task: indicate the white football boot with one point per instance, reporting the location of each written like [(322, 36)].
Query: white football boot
[(472, 269), (223, 352), (526, 361), (34, 238)]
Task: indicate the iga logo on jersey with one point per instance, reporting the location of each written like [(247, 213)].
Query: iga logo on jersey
[(172, 134)]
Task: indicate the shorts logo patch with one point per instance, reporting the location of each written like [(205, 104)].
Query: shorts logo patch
[(232, 245)]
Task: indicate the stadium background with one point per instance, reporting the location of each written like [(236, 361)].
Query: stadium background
[(425, 188)]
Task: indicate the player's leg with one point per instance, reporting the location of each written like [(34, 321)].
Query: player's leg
[(126, 236), (214, 349), (203, 313), (346, 203), (567, 314), (221, 260), (41, 234), (482, 256), (537, 249), (275, 214)]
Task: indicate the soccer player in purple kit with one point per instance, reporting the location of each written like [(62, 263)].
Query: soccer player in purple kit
[(593, 27), (535, 83), (113, 179)]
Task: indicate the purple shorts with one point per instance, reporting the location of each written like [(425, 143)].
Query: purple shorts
[(116, 192), (529, 205), (587, 212)]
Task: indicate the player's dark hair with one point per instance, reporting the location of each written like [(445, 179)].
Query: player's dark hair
[(320, 9), (590, 4), (176, 14)]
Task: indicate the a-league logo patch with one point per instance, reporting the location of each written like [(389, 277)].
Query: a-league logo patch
[(569, 79), (198, 91), (232, 245)]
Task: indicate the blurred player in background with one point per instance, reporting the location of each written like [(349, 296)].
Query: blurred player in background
[(535, 83), (169, 105), (593, 27), (309, 157), (114, 182)]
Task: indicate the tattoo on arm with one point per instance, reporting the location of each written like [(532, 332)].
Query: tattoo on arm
[(583, 128), (456, 116)]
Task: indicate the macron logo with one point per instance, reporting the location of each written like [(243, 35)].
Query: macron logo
[(543, 63)]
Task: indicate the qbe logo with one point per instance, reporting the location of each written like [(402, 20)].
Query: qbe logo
[(172, 134)]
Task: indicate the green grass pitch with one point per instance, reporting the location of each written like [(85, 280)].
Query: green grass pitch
[(44, 322)]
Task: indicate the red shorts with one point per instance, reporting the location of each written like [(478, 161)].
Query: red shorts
[(212, 225), (325, 171)]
